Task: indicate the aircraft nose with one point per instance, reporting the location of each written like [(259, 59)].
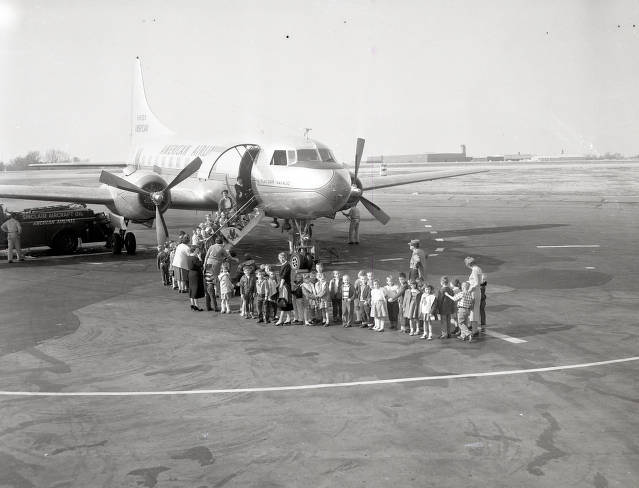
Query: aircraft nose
[(338, 189)]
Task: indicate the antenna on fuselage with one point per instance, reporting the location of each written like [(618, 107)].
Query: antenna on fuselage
[(307, 132)]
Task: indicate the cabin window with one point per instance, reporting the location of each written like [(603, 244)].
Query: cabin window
[(291, 157), (326, 155), (307, 155), (279, 158)]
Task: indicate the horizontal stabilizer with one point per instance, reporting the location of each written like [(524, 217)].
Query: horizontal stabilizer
[(407, 179)]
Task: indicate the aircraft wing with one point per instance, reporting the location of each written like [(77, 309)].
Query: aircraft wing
[(406, 179), (79, 194)]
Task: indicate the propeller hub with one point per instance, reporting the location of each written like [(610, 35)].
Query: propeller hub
[(157, 197)]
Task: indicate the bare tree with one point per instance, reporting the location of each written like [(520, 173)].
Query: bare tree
[(56, 156)]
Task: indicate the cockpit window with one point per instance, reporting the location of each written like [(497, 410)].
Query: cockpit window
[(307, 155), (279, 158), (326, 155)]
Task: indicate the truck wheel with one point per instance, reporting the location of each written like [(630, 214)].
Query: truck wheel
[(65, 242), (129, 243), (117, 244)]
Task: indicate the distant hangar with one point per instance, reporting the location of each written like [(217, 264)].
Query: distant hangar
[(429, 157)]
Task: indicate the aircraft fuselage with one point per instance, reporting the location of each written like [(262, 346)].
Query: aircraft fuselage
[(290, 178)]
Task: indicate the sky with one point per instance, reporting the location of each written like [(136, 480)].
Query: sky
[(534, 76)]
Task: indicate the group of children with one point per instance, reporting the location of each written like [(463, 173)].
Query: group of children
[(413, 307)]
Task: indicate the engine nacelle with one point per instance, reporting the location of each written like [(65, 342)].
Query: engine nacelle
[(356, 192), (137, 207)]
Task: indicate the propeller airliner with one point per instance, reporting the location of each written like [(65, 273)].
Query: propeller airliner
[(295, 178)]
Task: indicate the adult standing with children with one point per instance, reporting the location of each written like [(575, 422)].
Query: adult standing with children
[(284, 288), (417, 264), (475, 279), (180, 264)]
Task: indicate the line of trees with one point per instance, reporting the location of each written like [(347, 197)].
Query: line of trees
[(33, 157)]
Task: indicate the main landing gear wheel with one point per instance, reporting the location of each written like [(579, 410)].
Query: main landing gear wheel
[(129, 243), (65, 242), (117, 244), (297, 261)]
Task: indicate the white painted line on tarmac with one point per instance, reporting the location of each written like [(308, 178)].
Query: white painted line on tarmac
[(504, 337), (570, 245), (392, 259), (439, 249), (424, 220), (432, 255), (590, 267), (439, 239), (428, 226), (311, 387), (345, 262), (433, 232)]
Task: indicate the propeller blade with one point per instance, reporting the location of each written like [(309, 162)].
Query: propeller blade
[(188, 170), (115, 181), (375, 211), (161, 232), (358, 154)]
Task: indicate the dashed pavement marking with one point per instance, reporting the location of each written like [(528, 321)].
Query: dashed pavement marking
[(439, 249), (312, 387), (433, 232), (439, 239), (569, 245), (432, 255), (504, 337), (392, 259), (428, 226)]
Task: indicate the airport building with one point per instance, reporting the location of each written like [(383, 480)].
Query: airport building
[(430, 157)]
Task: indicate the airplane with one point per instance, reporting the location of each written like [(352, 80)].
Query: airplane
[(293, 178)]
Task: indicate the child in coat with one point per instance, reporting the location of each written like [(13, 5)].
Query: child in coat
[(261, 296), (271, 303), (402, 287), (298, 300), (444, 308), (412, 298), (347, 292), (308, 291), (247, 292), (336, 299), (226, 288), (322, 298)]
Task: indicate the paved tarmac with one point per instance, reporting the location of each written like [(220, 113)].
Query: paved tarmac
[(97, 323)]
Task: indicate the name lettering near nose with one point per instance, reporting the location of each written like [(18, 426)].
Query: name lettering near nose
[(271, 181)]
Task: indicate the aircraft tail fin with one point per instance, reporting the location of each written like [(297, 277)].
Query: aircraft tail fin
[(144, 123)]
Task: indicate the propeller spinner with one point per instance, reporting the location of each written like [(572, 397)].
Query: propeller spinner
[(157, 197)]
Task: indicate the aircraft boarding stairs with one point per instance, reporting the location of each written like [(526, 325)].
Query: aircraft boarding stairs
[(235, 233)]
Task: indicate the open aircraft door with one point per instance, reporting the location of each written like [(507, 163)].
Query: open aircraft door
[(235, 162)]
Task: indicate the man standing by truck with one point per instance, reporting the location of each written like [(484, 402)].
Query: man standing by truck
[(13, 229)]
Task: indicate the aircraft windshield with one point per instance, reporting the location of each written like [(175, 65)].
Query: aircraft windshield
[(326, 155), (307, 155)]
